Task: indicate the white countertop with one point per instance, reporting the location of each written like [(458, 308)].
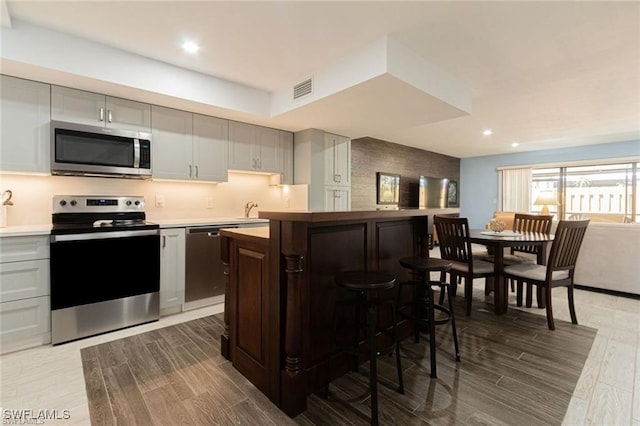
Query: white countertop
[(45, 229), (26, 230)]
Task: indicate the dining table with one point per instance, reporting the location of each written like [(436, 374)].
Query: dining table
[(497, 242)]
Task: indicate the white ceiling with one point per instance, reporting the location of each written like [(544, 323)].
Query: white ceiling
[(544, 74)]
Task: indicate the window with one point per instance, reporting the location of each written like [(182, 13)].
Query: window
[(603, 192), (545, 186)]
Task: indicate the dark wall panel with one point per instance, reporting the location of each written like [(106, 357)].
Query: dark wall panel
[(394, 240), (332, 249)]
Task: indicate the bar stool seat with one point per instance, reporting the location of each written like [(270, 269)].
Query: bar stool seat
[(421, 309), (365, 285)]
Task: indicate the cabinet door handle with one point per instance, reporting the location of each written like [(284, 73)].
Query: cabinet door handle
[(196, 171), (109, 116), (164, 241), (335, 160), (259, 163), (190, 170), (101, 114)]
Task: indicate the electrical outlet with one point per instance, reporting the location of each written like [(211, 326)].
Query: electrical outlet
[(159, 201), (208, 203)]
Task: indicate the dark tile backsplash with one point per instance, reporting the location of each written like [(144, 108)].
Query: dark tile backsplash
[(369, 155)]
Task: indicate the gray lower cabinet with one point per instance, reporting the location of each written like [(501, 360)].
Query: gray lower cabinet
[(24, 292), (172, 270), (337, 198), (25, 324)]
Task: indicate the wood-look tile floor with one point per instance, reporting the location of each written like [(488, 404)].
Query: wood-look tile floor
[(513, 370), (607, 390)]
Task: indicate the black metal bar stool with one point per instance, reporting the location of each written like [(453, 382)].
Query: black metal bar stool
[(421, 309), (365, 284)]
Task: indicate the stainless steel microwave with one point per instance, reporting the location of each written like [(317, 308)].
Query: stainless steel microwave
[(81, 150)]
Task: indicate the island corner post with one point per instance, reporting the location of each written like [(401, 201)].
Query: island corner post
[(286, 274)]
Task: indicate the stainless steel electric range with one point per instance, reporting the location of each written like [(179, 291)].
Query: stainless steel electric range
[(105, 265)]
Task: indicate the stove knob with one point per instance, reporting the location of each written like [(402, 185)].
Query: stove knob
[(128, 202), (73, 202), (63, 203)]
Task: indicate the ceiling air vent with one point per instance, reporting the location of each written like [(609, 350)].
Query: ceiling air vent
[(302, 89)]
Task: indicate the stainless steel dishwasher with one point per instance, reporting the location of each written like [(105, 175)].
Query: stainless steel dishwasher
[(204, 278)]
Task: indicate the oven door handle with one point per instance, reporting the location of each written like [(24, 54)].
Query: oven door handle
[(103, 235)]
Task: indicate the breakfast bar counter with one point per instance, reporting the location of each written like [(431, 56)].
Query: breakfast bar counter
[(280, 291)]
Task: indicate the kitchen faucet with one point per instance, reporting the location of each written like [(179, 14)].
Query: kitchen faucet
[(248, 207)]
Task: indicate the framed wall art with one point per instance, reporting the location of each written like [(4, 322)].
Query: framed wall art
[(452, 194), (388, 188)]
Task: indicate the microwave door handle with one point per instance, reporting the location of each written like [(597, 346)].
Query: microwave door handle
[(136, 153)]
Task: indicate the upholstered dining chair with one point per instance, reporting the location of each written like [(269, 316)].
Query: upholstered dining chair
[(523, 222), (453, 234), (529, 223), (560, 267)]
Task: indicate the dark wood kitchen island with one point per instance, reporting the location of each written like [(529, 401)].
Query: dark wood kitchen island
[(280, 293)]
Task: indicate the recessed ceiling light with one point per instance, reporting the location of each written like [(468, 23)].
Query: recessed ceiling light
[(515, 144), (190, 47), (487, 132)]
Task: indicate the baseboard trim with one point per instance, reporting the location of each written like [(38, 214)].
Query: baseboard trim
[(607, 291)]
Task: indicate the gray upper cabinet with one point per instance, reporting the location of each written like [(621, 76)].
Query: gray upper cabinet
[(172, 147), (242, 137), (286, 140), (185, 146), (189, 146), (323, 161), (268, 150), (337, 151), (25, 115), (210, 148), (79, 106), (171, 138), (255, 148)]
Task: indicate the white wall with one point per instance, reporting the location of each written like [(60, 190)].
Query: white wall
[(609, 257), (54, 57), (183, 200)]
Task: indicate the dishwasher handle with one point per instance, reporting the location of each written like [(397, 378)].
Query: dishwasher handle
[(211, 231)]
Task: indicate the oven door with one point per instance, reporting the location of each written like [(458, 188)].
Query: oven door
[(101, 281), (100, 266)]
